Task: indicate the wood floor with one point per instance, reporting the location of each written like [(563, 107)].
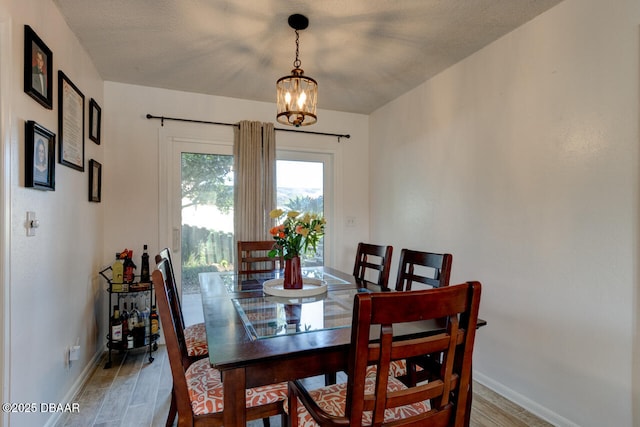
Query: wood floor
[(135, 393)]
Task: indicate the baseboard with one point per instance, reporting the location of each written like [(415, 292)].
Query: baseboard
[(523, 401), (75, 388)]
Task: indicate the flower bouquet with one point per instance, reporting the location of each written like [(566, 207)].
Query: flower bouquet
[(296, 235)]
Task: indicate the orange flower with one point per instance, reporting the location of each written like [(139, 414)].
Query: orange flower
[(298, 233)]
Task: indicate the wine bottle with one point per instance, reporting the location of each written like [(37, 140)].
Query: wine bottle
[(155, 320), (124, 317), (134, 317), (138, 327), (146, 324), (130, 327), (129, 267), (116, 325), (144, 266)]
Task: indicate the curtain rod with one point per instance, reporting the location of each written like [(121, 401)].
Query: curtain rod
[(162, 119)]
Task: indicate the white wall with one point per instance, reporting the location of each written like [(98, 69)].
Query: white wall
[(52, 290), (522, 161), (131, 176)]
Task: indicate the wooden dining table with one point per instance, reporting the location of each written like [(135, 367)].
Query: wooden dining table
[(256, 339)]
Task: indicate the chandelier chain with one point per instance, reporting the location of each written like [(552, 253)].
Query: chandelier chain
[(297, 62)]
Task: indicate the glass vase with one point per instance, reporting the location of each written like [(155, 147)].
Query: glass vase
[(292, 273)]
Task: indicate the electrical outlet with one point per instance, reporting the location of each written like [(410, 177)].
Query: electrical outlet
[(351, 221)]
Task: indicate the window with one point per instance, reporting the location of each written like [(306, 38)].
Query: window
[(207, 210), (196, 215), (304, 183)]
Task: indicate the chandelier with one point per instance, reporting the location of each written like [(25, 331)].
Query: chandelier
[(297, 94)]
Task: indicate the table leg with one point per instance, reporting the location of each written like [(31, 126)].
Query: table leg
[(234, 384)]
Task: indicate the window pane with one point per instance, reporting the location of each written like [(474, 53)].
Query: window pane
[(300, 187), (207, 211)]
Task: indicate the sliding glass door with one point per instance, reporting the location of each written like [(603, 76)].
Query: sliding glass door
[(201, 202), (303, 185), (206, 212)]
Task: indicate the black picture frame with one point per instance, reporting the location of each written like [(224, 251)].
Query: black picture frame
[(70, 123), (38, 66), (95, 181), (39, 155), (95, 121)]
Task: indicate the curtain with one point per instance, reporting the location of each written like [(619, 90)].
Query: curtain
[(254, 154)]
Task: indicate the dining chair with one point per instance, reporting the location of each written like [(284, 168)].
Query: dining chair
[(253, 257), (431, 269), (195, 334), (197, 397), (428, 268), (382, 399), (373, 260)]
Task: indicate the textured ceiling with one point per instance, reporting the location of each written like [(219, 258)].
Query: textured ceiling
[(362, 53)]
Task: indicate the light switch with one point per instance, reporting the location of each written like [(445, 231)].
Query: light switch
[(32, 223), (74, 353)]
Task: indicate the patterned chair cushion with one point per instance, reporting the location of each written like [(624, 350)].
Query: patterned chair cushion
[(196, 340), (332, 400), (205, 390)]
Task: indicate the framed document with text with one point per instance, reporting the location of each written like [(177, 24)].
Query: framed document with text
[(70, 124)]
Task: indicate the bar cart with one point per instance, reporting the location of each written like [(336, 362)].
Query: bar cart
[(141, 334)]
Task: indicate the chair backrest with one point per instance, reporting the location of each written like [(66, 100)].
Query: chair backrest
[(376, 315), (175, 342), (253, 257), (174, 297), (433, 269), (373, 257)]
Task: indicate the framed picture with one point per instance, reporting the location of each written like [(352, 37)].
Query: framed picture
[(70, 123), (95, 181), (95, 117), (39, 155), (38, 66)]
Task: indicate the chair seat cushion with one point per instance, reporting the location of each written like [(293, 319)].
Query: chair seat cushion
[(195, 337), (332, 400), (205, 390)]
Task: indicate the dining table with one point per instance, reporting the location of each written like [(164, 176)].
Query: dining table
[(256, 339)]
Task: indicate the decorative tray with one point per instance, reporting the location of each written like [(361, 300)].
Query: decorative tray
[(310, 287)]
